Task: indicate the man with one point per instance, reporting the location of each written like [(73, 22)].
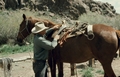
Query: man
[(41, 48)]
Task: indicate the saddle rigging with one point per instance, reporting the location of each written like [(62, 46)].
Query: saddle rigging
[(68, 32), (85, 29)]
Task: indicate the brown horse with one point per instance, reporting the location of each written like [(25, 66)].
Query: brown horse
[(103, 47), (25, 29)]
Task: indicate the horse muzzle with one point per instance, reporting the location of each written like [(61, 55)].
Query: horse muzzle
[(19, 42)]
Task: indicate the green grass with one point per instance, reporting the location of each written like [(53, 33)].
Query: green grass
[(100, 71), (12, 49), (87, 72)]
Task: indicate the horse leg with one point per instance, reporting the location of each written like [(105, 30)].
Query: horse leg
[(118, 53), (52, 65), (53, 68), (72, 66), (91, 62), (60, 69), (108, 71)]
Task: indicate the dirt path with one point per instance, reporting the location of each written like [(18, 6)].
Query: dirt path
[(24, 68)]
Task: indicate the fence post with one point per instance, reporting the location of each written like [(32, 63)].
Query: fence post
[(6, 64)]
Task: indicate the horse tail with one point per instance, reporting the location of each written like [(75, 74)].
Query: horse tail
[(118, 35)]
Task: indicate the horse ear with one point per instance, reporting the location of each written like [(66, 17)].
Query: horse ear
[(24, 16)]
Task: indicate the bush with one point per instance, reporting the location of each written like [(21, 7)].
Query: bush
[(94, 18), (87, 72), (9, 24)]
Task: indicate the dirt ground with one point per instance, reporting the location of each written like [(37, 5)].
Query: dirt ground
[(24, 68)]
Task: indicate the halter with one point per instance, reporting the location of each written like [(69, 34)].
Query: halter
[(26, 28)]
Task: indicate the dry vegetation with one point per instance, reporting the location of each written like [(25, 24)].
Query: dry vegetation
[(10, 20)]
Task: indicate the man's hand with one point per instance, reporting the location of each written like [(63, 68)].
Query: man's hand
[(56, 37), (56, 27)]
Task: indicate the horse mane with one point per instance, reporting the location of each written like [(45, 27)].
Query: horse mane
[(47, 22)]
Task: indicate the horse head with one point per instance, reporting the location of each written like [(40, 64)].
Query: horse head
[(27, 24), (25, 28)]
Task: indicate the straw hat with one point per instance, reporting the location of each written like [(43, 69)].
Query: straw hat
[(39, 26)]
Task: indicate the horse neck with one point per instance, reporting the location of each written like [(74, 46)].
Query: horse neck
[(30, 27), (32, 23)]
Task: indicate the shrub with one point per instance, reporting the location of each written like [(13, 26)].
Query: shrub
[(87, 72), (100, 71)]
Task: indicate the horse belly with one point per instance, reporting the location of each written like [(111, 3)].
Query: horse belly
[(76, 53), (75, 58)]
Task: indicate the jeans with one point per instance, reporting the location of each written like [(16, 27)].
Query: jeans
[(40, 68)]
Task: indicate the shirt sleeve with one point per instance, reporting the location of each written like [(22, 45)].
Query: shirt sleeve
[(48, 45)]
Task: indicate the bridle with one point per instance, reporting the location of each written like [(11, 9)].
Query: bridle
[(25, 28)]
